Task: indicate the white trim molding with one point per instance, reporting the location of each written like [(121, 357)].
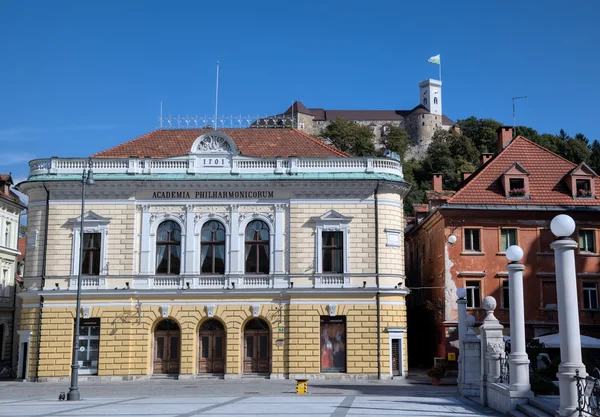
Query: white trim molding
[(332, 221), (92, 223), (397, 333)]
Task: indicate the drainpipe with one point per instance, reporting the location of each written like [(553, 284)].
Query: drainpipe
[(377, 296), (39, 329)]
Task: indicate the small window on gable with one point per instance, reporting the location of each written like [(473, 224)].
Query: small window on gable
[(581, 181), (516, 181), (435, 100), (425, 101)]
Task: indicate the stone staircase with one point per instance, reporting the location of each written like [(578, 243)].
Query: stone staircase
[(536, 407)]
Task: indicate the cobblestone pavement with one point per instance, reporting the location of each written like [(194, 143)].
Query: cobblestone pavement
[(171, 398)]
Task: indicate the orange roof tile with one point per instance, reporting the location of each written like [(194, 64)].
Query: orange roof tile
[(546, 170), (262, 143)]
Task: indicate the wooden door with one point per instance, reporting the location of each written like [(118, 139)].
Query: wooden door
[(396, 357), (166, 352), (212, 352), (257, 352)]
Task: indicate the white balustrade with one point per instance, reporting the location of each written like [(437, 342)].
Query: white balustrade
[(257, 281), (211, 282), (239, 165), (167, 282)]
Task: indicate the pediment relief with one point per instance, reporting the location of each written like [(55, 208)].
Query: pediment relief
[(333, 217), (214, 142), (90, 217)]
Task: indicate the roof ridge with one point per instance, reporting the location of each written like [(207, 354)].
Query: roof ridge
[(321, 143), (126, 143), (495, 157)]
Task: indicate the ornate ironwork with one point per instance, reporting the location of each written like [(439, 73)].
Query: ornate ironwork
[(231, 121), (504, 366), (588, 394)]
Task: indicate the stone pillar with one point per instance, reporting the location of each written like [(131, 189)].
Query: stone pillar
[(519, 361), (471, 360), (462, 326), (564, 247), (492, 348)]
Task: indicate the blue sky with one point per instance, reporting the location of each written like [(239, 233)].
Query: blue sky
[(78, 77)]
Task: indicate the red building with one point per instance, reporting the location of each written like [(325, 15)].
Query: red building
[(510, 199)]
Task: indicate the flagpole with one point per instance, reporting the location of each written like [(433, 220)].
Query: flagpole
[(440, 67)]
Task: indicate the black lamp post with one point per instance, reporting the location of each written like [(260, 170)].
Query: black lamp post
[(73, 394)]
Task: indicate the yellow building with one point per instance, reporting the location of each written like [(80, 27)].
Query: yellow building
[(234, 252)]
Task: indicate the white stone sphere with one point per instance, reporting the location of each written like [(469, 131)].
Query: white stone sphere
[(562, 225), (461, 292), (489, 303), (470, 321)]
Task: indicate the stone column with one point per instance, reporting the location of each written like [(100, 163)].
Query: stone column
[(492, 348), (471, 359), (462, 326), (564, 247), (519, 361)]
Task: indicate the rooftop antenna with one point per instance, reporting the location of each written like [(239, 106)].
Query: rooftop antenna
[(515, 115), (161, 118), (217, 98)]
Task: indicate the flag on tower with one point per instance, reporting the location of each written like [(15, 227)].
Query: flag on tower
[(435, 59)]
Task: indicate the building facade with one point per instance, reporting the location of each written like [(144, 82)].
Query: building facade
[(509, 200), (10, 210), (227, 253), (420, 122)]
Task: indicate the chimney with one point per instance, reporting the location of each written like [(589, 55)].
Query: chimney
[(504, 136), (466, 175), (484, 157), (436, 182)]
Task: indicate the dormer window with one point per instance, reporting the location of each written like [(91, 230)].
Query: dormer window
[(516, 182), (583, 188), (581, 181)]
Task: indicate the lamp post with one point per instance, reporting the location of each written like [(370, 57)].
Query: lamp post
[(518, 360), (461, 293), (562, 227), (73, 394)]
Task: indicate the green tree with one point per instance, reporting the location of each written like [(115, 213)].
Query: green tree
[(349, 137), (396, 140), (594, 160), (527, 132), (550, 142), (482, 132), (576, 151)]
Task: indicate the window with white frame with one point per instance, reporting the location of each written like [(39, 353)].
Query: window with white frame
[(332, 243), (586, 241), (590, 295), (95, 231), (7, 234), (473, 294), (472, 240), (508, 237)]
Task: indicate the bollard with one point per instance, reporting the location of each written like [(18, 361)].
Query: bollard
[(301, 386)]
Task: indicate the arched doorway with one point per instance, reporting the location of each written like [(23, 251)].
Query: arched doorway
[(257, 347), (211, 355), (167, 344)]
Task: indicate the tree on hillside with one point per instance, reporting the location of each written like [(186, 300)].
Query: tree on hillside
[(527, 132), (576, 151), (594, 160), (396, 140), (482, 132), (349, 137), (551, 142)]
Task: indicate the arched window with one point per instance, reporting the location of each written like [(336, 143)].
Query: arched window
[(168, 248), (257, 247), (425, 100), (435, 100), (213, 248)]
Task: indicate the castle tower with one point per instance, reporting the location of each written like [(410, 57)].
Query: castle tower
[(431, 95)]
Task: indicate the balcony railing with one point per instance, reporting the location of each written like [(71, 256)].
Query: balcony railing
[(192, 164)]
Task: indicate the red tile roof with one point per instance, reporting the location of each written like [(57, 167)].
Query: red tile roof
[(547, 173), (421, 208), (262, 143)]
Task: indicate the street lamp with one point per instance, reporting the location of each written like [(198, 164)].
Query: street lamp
[(518, 360), (87, 177), (562, 227)]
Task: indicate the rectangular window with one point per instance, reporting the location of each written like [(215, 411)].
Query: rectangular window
[(583, 188), (508, 237), (333, 252), (517, 185), (505, 294), (333, 344), (89, 345), (7, 234), (472, 241), (590, 296), (91, 254), (549, 295), (473, 294), (546, 238), (586, 241)]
